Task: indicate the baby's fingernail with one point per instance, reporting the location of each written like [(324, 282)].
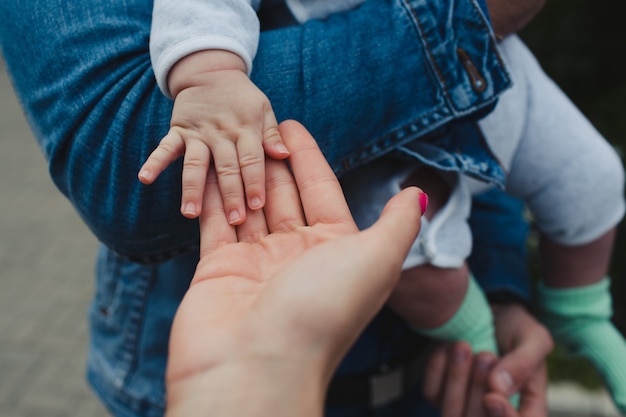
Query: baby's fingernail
[(423, 202), (234, 217), (190, 208), (144, 174), (282, 148), (504, 381), (255, 203)]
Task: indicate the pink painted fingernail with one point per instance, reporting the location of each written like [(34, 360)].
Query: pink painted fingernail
[(423, 202)]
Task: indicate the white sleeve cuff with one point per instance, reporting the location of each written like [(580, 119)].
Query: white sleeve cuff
[(182, 27), (175, 53)]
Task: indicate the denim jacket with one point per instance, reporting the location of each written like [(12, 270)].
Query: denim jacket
[(409, 68), (411, 78)]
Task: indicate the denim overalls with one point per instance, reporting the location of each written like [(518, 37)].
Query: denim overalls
[(411, 78)]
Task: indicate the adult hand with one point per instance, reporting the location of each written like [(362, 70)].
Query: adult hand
[(276, 302), (462, 385)]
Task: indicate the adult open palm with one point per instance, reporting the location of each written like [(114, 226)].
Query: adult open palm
[(297, 282)]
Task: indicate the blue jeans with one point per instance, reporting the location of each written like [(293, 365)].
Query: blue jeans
[(82, 73)]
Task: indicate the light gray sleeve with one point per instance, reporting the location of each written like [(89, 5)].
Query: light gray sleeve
[(182, 27)]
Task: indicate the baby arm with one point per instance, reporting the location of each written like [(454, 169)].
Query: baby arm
[(218, 115)]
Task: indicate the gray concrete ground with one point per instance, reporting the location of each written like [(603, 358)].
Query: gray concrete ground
[(46, 281)]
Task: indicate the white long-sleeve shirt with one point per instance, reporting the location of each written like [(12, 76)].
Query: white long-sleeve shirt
[(182, 27)]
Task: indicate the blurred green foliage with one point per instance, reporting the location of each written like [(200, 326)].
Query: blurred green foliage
[(564, 367), (581, 45)]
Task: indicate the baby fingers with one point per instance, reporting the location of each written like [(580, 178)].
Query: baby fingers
[(195, 170), (272, 141), (252, 165), (170, 148)]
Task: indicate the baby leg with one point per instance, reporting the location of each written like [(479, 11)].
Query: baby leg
[(436, 294), (445, 304), (573, 182), (579, 319), (578, 312)]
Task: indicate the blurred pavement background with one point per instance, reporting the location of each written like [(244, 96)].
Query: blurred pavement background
[(46, 281)]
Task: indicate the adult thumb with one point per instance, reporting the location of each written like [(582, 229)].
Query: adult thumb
[(399, 223)]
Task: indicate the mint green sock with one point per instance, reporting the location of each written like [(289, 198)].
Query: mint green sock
[(472, 322), (580, 320)]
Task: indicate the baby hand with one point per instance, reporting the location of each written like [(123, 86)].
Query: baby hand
[(226, 119)]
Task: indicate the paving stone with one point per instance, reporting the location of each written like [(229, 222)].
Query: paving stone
[(46, 280), (570, 400)]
